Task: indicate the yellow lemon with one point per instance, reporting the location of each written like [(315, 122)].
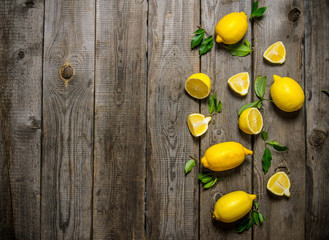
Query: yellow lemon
[(239, 83), (198, 124), (198, 85), (279, 184), (224, 156), (233, 206), (231, 28), (287, 94), (251, 121), (276, 53)]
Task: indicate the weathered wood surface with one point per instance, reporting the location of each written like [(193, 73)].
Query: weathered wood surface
[(104, 156), (20, 118)]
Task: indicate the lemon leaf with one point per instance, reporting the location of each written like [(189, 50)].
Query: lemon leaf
[(277, 146), (238, 49), (219, 107), (256, 205), (196, 40), (326, 92), (210, 184), (267, 157), (247, 43), (254, 216), (212, 103), (199, 31), (260, 103), (243, 224), (254, 6), (249, 105), (189, 165), (257, 12), (206, 45), (264, 135), (260, 86), (260, 217)]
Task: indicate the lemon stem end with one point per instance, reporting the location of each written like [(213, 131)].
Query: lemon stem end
[(219, 39)]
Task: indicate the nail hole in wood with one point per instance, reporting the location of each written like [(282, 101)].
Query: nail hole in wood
[(294, 14), (20, 55)]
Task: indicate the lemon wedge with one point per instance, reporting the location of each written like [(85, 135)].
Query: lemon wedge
[(239, 83), (198, 124), (276, 53), (198, 85), (279, 184), (251, 121)]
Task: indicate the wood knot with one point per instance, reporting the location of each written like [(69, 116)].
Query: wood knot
[(294, 14), (29, 4), (34, 123), (317, 137), (66, 73), (20, 55)]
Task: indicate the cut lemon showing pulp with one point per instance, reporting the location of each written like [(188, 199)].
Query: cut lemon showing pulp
[(279, 184), (239, 83), (198, 124), (198, 85), (276, 53), (251, 121)]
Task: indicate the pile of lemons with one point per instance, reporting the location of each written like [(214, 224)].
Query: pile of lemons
[(286, 94)]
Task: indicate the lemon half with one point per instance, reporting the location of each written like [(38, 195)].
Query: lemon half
[(251, 121), (198, 85), (239, 83), (279, 184), (276, 53)]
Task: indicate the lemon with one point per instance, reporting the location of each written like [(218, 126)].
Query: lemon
[(233, 206), (198, 85), (276, 53), (287, 94), (198, 124), (251, 121), (239, 83), (231, 28), (224, 156), (279, 184)]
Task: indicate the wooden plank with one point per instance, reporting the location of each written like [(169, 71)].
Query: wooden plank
[(119, 192), (20, 118), (316, 72), (219, 65), (285, 218), (172, 198), (67, 167)]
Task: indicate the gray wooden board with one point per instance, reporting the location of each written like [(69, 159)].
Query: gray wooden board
[(120, 115), (316, 78), (219, 65), (285, 217), (172, 198), (67, 164), (20, 118)]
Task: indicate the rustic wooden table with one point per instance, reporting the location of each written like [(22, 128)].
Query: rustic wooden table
[(99, 152)]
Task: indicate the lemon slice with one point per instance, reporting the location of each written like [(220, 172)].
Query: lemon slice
[(251, 121), (198, 124), (198, 85), (279, 184), (276, 53), (239, 83)]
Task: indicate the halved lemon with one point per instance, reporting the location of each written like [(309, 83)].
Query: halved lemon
[(279, 184), (198, 85), (198, 124), (251, 121), (239, 83), (276, 53)]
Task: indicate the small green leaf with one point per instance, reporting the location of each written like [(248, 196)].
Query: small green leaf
[(249, 105), (256, 205), (206, 45), (199, 31), (238, 49), (243, 224), (254, 216), (277, 146), (250, 223), (325, 91), (203, 175), (210, 184), (260, 86), (212, 103), (259, 104), (254, 7), (258, 12), (189, 165), (206, 179), (264, 135), (247, 43), (219, 107), (196, 40), (267, 157), (260, 217)]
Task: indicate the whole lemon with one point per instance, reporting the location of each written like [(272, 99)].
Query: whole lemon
[(224, 156), (231, 28), (233, 206), (287, 94)]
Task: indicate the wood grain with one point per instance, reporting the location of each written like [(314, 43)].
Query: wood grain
[(172, 198), (316, 72), (119, 192), (20, 118), (219, 65), (67, 165), (285, 218)]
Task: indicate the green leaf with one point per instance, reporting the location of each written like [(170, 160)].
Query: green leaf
[(259, 104), (199, 31), (210, 184), (258, 12), (254, 7), (219, 107), (206, 179), (267, 157), (277, 146), (254, 216), (325, 91), (260, 217), (249, 105), (196, 40), (206, 45), (238, 49), (247, 43), (212, 103), (260, 86), (264, 135), (250, 223), (203, 175), (243, 224), (189, 165), (256, 205)]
